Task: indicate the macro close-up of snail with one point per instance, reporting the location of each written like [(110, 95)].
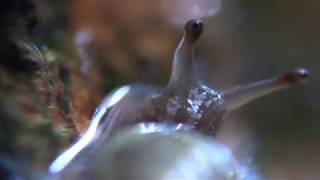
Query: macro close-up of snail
[(178, 123), (159, 90)]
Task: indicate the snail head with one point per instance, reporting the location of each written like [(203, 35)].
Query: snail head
[(193, 30)]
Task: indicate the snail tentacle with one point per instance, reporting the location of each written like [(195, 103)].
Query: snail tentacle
[(183, 70), (243, 94)]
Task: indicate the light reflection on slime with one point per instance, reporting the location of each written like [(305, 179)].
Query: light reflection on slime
[(66, 157)]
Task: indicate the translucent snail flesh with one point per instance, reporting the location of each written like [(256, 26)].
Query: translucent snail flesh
[(185, 100)]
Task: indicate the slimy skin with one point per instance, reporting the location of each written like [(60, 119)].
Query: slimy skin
[(185, 100)]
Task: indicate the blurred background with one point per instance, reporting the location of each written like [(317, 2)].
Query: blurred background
[(90, 47)]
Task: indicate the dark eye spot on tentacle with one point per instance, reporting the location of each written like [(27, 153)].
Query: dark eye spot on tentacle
[(296, 76), (197, 24), (303, 73), (193, 29)]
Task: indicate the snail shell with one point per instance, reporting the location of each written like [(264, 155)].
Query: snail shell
[(156, 151)]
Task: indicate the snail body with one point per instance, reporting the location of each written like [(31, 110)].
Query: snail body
[(184, 101)]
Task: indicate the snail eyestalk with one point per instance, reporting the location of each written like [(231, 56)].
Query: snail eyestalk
[(243, 94), (182, 69)]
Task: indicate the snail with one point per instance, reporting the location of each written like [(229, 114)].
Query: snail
[(185, 100)]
